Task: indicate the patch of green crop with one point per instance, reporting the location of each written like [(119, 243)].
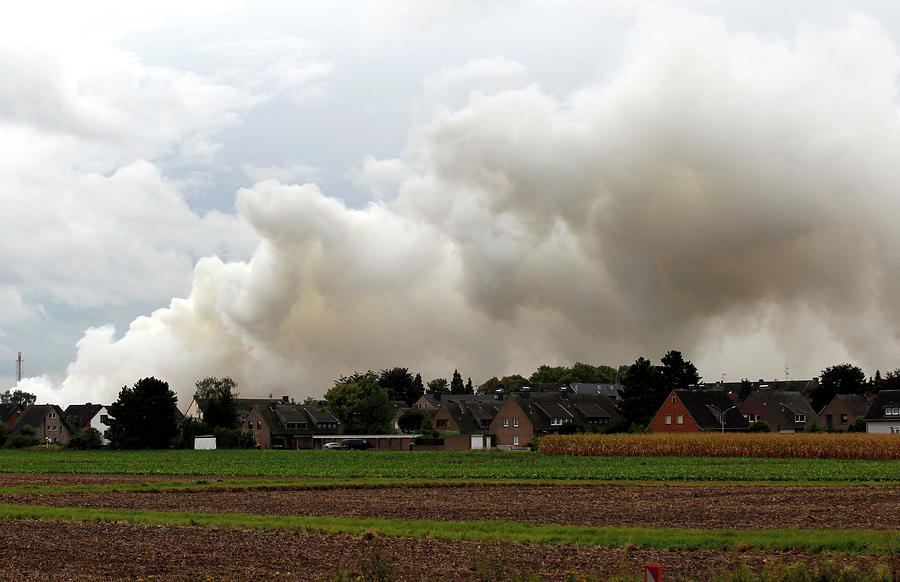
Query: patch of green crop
[(867, 542), (447, 465)]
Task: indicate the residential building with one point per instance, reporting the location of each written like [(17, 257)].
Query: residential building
[(883, 415), (525, 415), (698, 410), (49, 422), (84, 416), (843, 409), (785, 412), (283, 425), (10, 413)]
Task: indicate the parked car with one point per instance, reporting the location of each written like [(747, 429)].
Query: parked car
[(356, 444), (331, 445)]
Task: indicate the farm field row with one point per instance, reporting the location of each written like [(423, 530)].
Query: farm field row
[(446, 465)]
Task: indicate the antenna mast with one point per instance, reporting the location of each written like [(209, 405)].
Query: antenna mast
[(787, 372), (19, 368)]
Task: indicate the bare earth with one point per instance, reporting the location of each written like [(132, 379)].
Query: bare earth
[(102, 551)]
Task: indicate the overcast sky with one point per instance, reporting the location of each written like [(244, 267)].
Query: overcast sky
[(288, 192)]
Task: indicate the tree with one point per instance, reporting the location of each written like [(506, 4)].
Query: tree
[(144, 416), (678, 373), (456, 384), (355, 377), (839, 379), (643, 393), (427, 427), (746, 389), (361, 407), (891, 381), (507, 384), (759, 426), (88, 438), (215, 397), (19, 397), (410, 420), (469, 388), (438, 386), (400, 385)]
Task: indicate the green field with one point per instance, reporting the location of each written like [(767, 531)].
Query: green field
[(447, 465)]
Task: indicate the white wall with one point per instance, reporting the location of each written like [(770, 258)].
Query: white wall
[(881, 426)]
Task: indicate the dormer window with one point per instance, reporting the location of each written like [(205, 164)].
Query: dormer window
[(799, 418), (892, 411), (556, 422)]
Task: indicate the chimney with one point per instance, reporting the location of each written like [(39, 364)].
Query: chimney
[(285, 399), (525, 392), (563, 393), (499, 394)]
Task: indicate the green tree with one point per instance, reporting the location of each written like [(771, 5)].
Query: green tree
[(839, 379), (144, 416), (410, 420), (507, 384), (418, 387), (746, 389), (427, 426), (676, 372), (362, 407), (215, 397), (548, 375), (456, 384), (438, 386), (19, 397), (400, 385), (891, 381), (759, 426), (88, 438), (469, 388), (643, 393)]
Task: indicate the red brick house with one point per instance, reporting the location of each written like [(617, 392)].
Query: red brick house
[(526, 415), (843, 409), (466, 413), (698, 410), (785, 412), (282, 425), (49, 422), (10, 413)]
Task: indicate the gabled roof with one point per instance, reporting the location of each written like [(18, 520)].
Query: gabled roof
[(855, 404), (472, 417), (8, 409), (884, 399), (784, 406), (34, 416), (80, 415), (707, 406), (278, 414), (541, 407)]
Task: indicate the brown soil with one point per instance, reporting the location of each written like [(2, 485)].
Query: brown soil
[(702, 507), (86, 552), (113, 551)]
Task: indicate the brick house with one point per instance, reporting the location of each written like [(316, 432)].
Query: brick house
[(843, 409), (883, 415), (785, 412), (526, 415), (283, 425), (698, 410), (10, 413), (49, 422), (466, 413)]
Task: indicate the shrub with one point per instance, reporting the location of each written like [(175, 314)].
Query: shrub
[(759, 426), (88, 438)]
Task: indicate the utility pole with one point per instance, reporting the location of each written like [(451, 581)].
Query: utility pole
[(19, 368)]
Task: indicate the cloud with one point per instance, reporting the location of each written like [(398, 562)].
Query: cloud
[(719, 191), (290, 174)]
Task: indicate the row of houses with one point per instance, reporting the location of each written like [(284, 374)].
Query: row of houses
[(784, 411), (52, 424)]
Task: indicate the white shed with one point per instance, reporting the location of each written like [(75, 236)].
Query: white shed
[(205, 442)]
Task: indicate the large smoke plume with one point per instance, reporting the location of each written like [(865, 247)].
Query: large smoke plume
[(731, 196)]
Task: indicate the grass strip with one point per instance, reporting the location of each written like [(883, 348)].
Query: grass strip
[(865, 542), (218, 484), (493, 465)]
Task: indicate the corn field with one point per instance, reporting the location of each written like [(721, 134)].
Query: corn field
[(806, 446)]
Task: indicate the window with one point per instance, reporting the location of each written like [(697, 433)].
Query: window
[(104, 419), (679, 419), (442, 423), (258, 424), (603, 420), (673, 400), (505, 422), (516, 440), (51, 415), (891, 411), (556, 422), (799, 418), (844, 419), (668, 419), (895, 430), (515, 421)]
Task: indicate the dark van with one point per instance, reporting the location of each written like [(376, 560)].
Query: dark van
[(356, 444)]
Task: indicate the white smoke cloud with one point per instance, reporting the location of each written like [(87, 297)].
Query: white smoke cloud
[(721, 193)]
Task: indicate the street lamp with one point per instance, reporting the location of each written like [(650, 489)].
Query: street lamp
[(723, 417)]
